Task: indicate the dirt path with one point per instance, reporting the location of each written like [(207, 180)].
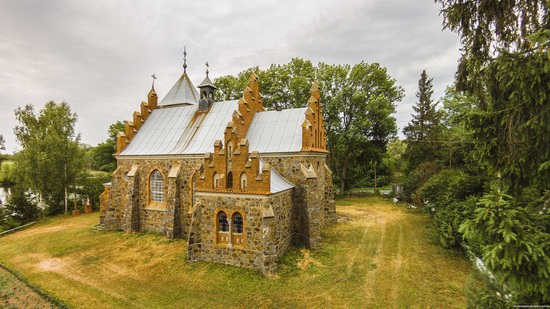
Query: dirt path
[(392, 246)]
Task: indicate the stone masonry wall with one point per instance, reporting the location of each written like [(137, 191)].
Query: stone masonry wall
[(311, 207), (267, 229), (173, 217)]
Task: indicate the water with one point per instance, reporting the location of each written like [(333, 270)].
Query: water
[(4, 195)]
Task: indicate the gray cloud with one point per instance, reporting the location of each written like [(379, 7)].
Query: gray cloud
[(98, 55)]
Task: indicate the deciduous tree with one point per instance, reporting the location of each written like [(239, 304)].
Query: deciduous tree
[(358, 103), (103, 154), (51, 158)]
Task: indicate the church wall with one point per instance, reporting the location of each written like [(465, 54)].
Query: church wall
[(114, 212), (171, 218), (267, 229), (311, 208)]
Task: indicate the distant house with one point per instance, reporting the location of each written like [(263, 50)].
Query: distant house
[(239, 182)]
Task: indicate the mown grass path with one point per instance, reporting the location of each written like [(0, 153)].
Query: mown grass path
[(380, 256)]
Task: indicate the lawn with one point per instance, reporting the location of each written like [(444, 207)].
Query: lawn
[(380, 255)]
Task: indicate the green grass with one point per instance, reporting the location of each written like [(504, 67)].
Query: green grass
[(384, 257)]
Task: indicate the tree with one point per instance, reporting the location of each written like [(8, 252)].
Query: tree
[(51, 159), (357, 103), (358, 107), (394, 159), (2, 142), (424, 131), (103, 154), (505, 66)]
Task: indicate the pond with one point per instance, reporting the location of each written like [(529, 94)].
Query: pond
[(4, 195)]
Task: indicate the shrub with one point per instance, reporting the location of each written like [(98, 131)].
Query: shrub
[(21, 207), (418, 177), (451, 196)]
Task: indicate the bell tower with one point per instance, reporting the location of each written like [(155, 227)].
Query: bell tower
[(207, 90)]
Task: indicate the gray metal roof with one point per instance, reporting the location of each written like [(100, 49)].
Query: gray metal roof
[(180, 130), (173, 130), (183, 92), (278, 183), (207, 82), (277, 131)]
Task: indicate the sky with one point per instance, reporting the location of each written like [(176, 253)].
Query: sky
[(98, 56)]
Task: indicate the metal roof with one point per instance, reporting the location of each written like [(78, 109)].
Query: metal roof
[(207, 82), (278, 183), (277, 131), (183, 92), (173, 130), (180, 130)]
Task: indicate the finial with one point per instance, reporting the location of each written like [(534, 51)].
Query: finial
[(154, 77), (184, 59), (207, 66)]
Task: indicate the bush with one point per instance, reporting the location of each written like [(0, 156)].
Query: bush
[(20, 209), (418, 177), (451, 196), (93, 186), (449, 185)]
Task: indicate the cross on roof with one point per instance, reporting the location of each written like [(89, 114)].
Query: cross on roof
[(154, 77)]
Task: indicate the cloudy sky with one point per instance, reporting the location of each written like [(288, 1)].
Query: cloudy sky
[(98, 56)]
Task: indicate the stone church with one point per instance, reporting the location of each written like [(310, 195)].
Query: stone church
[(241, 183)]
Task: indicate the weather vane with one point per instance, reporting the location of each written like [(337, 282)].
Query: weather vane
[(154, 77), (184, 59), (207, 66)]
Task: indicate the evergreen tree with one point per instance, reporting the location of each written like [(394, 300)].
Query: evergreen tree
[(424, 130), (505, 66)]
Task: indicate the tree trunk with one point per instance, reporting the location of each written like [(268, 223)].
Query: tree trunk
[(343, 178), (66, 202), (375, 180), (66, 193)]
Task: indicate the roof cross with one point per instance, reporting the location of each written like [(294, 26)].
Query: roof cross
[(154, 77), (207, 66), (184, 59)]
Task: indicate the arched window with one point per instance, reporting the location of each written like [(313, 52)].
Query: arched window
[(230, 180), (223, 225), (203, 95), (156, 186), (216, 180), (237, 223), (243, 181)]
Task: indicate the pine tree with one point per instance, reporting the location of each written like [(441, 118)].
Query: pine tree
[(424, 129)]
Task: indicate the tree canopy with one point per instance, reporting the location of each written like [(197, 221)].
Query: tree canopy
[(423, 133), (102, 155), (505, 68), (51, 158), (358, 103)]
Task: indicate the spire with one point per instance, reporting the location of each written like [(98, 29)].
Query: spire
[(184, 59)]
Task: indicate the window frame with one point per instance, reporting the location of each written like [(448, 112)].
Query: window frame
[(150, 193)]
